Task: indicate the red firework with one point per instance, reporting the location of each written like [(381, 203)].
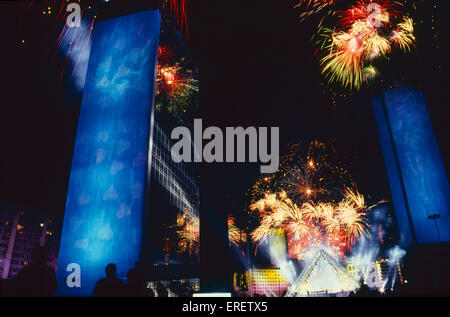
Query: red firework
[(313, 225), (179, 9), (375, 12)]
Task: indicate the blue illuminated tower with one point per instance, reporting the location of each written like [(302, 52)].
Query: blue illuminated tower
[(415, 170), (106, 203)]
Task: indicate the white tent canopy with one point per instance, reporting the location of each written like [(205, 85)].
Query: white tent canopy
[(323, 274)]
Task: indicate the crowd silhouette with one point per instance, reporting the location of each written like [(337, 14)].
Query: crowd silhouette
[(136, 286), (38, 279)]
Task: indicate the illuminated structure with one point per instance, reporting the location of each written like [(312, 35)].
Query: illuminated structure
[(278, 246), (172, 192), (390, 274), (415, 170), (171, 254), (21, 232), (322, 275), (106, 203), (270, 279), (268, 282), (128, 203), (383, 273)]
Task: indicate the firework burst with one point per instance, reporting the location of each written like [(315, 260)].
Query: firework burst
[(331, 215), (335, 226), (403, 36), (374, 13), (307, 173), (188, 231), (312, 173), (365, 31)]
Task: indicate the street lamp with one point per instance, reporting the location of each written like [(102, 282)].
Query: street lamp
[(435, 217)]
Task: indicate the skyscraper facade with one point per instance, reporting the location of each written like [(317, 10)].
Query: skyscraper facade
[(21, 231), (415, 170), (128, 203), (105, 206)]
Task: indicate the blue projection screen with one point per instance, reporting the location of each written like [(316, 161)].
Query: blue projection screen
[(416, 173), (105, 200)]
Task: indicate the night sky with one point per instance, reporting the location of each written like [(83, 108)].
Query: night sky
[(257, 68)]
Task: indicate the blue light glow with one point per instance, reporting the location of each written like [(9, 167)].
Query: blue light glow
[(105, 201), (415, 169)]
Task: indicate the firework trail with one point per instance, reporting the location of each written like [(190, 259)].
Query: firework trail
[(313, 7), (72, 40), (75, 41), (179, 9)]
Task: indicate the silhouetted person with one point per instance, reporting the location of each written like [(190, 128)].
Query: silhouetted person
[(180, 289), (110, 286), (161, 290), (37, 279), (363, 291), (136, 286)]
